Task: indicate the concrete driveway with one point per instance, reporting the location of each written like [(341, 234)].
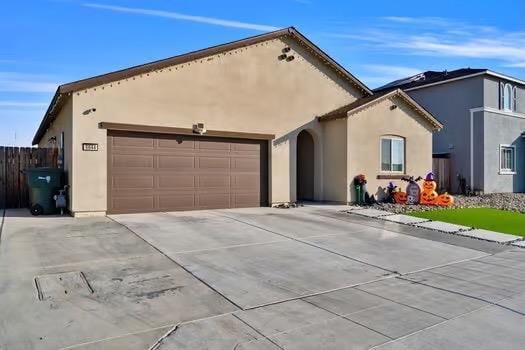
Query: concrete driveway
[(305, 278)]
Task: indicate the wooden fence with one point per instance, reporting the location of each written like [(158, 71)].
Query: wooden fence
[(13, 160), (441, 170)]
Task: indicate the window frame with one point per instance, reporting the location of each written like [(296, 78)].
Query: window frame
[(503, 171), (514, 99), (390, 138), (507, 97)]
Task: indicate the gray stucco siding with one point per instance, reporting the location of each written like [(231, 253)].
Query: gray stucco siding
[(451, 104), (491, 93), (501, 129)]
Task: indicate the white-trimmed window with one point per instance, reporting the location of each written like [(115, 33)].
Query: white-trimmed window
[(507, 97), (392, 154), (507, 159)]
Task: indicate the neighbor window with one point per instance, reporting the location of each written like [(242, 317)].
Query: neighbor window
[(392, 154), (507, 97), (507, 159)]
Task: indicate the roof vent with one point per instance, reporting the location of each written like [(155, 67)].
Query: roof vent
[(418, 77)]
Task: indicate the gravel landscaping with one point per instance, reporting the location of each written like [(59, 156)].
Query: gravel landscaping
[(505, 201)]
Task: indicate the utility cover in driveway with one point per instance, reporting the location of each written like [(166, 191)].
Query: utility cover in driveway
[(62, 285), (158, 172)]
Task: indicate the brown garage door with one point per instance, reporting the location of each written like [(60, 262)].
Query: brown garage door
[(159, 172)]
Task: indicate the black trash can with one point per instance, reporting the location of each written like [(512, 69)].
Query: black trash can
[(43, 184)]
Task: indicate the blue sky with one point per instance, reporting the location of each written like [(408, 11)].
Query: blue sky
[(44, 43)]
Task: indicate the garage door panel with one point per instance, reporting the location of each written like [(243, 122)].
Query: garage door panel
[(171, 181), (133, 182), (177, 143), (133, 204), (250, 164), (176, 201), (137, 141), (251, 148), (154, 172), (176, 162), (214, 163), (209, 200), (128, 161), (214, 146), (246, 181), (214, 181)]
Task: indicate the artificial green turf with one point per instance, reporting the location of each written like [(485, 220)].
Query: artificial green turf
[(485, 218)]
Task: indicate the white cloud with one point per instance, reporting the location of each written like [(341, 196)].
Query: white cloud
[(20, 82), (435, 36), (516, 65), (399, 71), (184, 17)]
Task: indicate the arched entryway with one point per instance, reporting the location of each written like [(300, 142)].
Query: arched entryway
[(305, 166)]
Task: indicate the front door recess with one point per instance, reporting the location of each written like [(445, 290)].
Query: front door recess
[(305, 166)]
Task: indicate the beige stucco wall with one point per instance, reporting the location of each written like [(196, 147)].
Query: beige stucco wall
[(246, 90), (335, 160), (62, 123), (364, 131)]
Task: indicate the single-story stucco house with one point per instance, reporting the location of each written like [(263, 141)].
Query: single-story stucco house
[(255, 122)]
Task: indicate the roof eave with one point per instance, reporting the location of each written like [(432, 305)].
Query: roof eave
[(437, 125), (44, 124), (179, 59)]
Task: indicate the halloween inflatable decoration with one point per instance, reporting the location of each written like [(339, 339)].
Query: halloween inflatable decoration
[(413, 191), (390, 193), (414, 194), (445, 200), (428, 193), (400, 197), (428, 197), (429, 184)]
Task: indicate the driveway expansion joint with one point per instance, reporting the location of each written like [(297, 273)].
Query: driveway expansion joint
[(467, 295), (311, 244), (180, 265)]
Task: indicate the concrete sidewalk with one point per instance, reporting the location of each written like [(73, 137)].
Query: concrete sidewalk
[(262, 278)]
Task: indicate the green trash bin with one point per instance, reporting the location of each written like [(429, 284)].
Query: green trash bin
[(43, 184)]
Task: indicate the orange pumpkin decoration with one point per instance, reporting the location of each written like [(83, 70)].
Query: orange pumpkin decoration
[(445, 200), (429, 185), (428, 197), (400, 197)]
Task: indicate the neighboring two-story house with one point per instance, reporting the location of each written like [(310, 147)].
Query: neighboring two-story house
[(483, 113)]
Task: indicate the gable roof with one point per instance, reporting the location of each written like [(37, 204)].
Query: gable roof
[(362, 103), (430, 78), (66, 89)]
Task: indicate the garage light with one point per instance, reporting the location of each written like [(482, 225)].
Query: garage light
[(199, 128)]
